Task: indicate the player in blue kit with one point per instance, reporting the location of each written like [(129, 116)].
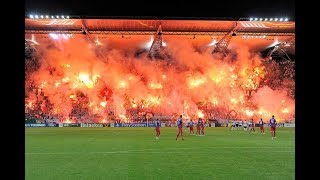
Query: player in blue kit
[(273, 124), (191, 127)]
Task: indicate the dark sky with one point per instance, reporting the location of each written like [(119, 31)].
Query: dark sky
[(163, 8)]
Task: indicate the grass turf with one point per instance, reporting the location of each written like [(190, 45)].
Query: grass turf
[(133, 153)]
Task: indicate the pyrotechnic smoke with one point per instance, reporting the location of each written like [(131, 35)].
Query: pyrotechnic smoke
[(83, 81)]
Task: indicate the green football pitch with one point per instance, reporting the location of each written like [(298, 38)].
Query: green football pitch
[(134, 153)]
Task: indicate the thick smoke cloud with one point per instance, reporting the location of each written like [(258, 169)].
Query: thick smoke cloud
[(78, 80)]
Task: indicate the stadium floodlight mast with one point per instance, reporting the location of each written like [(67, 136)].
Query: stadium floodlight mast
[(67, 17), (276, 19), (256, 19), (260, 19), (286, 19), (52, 17), (57, 17), (47, 17), (31, 16), (266, 19), (251, 19), (41, 16), (271, 19), (281, 19), (36, 16), (62, 17)]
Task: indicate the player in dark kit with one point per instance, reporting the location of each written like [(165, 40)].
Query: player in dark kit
[(273, 124), (252, 126), (179, 123), (157, 129), (261, 123), (198, 127), (191, 127), (202, 127)]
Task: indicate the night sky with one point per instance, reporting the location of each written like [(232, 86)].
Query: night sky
[(160, 9)]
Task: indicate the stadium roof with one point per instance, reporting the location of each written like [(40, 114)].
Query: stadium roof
[(150, 26), (258, 34)]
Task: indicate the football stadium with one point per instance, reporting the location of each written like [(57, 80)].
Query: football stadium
[(170, 98)]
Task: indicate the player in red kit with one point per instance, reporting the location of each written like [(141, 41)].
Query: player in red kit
[(179, 123), (157, 129), (261, 123), (198, 127), (252, 126)]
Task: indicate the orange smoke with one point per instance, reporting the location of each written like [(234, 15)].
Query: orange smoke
[(98, 83)]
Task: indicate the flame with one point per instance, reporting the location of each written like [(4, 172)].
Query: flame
[(66, 79), (57, 84), (123, 84), (73, 96), (123, 117), (285, 111), (43, 84), (103, 103), (155, 86), (215, 102), (134, 105), (84, 78), (195, 82), (233, 100), (200, 114), (67, 121), (249, 113), (30, 104)]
